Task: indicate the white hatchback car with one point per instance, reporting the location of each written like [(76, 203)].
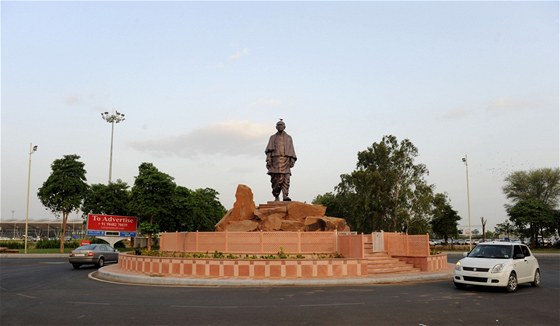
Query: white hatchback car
[(501, 264)]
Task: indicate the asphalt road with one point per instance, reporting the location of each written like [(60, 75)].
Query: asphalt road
[(47, 291)]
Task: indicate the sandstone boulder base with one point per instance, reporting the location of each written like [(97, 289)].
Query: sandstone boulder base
[(245, 216)]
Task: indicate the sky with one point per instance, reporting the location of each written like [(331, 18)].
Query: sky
[(202, 85)]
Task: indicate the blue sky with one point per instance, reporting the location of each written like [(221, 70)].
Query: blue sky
[(202, 85)]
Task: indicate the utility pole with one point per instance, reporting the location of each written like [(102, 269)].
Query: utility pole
[(468, 200), (32, 149), (483, 220), (113, 118)]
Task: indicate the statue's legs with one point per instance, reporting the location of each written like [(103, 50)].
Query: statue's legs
[(276, 185), (285, 186), (280, 183)]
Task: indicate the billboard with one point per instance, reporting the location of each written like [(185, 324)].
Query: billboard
[(111, 225)]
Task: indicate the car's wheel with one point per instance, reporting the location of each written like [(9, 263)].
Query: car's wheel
[(460, 286), (512, 282), (537, 280), (100, 262), (75, 265)]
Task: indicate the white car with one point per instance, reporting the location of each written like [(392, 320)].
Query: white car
[(501, 264)]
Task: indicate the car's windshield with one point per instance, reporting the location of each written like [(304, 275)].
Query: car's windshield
[(491, 251)]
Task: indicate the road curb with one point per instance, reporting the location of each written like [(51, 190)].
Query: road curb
[(112, 274)]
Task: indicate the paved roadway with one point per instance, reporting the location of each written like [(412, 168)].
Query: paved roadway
[(47, 291)]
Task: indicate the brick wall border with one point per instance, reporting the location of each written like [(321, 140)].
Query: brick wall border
[(244, 268)]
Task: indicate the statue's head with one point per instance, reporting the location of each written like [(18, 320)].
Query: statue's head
[(280, 125)]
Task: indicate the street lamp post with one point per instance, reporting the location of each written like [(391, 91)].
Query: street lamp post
[(468, 200), (32, 149), (112, 118)]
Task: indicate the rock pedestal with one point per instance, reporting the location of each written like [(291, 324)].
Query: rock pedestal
[(245, 216)]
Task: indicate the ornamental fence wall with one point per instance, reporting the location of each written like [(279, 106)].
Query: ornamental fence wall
[(401, 244), (348, 245), (250, 242)]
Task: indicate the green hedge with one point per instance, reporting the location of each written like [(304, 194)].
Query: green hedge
[(52, 244), (12, 244)]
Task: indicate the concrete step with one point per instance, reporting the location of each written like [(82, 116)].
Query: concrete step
[(382, 263)]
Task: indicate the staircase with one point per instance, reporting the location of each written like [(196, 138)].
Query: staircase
[(380, 263)]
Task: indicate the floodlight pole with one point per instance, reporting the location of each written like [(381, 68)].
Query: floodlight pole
[(113, 118), (32, 149), (468, 200)]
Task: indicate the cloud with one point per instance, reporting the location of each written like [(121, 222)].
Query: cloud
[(497, 106), (508, 104), (234, 57), (238, 55), (456, 113), (230, 138)]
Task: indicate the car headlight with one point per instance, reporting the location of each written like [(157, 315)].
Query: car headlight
[(498, 268), (458, 266)]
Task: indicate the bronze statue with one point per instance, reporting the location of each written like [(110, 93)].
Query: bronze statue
[(280, 157)]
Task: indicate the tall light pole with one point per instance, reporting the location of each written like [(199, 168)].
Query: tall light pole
[(112, 118), (32, 149), (468, 200)]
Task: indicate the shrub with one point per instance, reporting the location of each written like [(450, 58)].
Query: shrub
[(12, 244), (53, 244)]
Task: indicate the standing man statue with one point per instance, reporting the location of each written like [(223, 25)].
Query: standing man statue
[(280, 157)]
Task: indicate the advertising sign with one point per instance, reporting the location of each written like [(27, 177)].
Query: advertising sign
[(111, 225)]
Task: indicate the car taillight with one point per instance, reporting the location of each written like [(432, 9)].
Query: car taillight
[(90, 253)]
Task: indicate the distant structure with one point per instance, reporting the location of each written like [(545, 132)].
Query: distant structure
[(280, 158)]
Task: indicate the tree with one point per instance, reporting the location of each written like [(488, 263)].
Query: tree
[(445, 220), (541, 184), (387, 191), (65, 189), (504, 228), (204, 210), (535, 196), (531, 217), (111, 199), (332, 203), (152, 198)]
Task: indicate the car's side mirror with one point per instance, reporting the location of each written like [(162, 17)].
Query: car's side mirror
[(519, 256), (465, 254)]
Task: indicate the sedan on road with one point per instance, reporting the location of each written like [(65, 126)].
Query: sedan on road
[(501, 264), (93, 254)]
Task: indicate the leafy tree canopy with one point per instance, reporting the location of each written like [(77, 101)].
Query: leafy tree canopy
[(332, 203), (531, 217), (535, 196), (152, 198), (198, 210), (540, 184), (152, 194), (111, 199), (387, 191), (445, 219), (505, 228), (65, 188)]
